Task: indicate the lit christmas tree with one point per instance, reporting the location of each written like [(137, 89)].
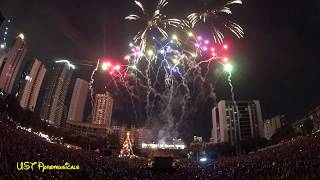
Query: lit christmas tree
[(126, 150)]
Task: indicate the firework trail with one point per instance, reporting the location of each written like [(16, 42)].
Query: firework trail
[(176, 68), (91, 85), (231, 87), (167, 75), (232, 92)]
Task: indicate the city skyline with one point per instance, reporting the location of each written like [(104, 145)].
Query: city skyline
[(159, 89), (254, 80)]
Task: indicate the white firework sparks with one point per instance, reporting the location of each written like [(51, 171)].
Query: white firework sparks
[(219, 18), (158, 22)]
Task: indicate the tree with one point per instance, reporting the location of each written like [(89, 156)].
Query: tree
[(126, 150)]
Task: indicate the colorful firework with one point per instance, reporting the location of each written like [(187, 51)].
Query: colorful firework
[(217, 17), (158, 22), (168, 72)]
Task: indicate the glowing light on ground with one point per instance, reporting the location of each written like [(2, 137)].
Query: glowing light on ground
[(162, 146), (204, 159)]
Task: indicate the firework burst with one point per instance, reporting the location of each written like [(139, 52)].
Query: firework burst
[(217, 17), (158, 22)]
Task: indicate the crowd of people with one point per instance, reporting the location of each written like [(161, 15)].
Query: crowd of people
[(297, 159)]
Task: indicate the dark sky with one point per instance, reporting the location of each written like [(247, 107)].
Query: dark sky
[(277, 61)]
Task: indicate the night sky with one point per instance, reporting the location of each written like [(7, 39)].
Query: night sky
[(277, 61)]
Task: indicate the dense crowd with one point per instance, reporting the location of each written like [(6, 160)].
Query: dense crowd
[(297, 159)]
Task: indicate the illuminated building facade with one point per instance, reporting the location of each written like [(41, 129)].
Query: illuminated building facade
[(78, 100), (233, 123), (102, 111), (12, 64), (32, 86), (53, 103)]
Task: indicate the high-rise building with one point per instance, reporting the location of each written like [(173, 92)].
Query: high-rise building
[(33, 84), (22, 78), (103, 109), (270, 126), (233, 122), (13, 63), (54, 100), (78, 100)]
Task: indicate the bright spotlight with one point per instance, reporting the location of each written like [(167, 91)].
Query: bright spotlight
[(67, 62), (225, 59), (228, 68), (127, 57), (105, 66), (150, 52), (134, 67), (21, 36), (117, 67), (203, 159), (174, 37), (175, 61), (225, 46)]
